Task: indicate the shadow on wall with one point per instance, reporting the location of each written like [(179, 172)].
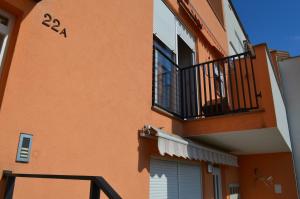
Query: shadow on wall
[(19, 10), (146, 148)]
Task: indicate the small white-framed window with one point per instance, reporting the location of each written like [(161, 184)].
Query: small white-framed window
[(217, 180), (234, 191), (6, 24)]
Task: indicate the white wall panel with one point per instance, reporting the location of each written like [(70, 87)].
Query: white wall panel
[(280, 111), (290, 71), (235, 34)]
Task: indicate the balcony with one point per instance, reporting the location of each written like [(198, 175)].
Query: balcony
[(214, 88), (233, 103)]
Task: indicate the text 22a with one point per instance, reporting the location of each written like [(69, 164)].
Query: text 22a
[(54, 24)]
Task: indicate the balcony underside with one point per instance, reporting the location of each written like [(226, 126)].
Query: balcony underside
[(256, 141)]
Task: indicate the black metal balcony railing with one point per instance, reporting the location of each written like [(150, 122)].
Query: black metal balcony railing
[(97, 183), (218, 87)]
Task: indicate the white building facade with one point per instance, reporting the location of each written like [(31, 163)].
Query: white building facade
[(236, 34)]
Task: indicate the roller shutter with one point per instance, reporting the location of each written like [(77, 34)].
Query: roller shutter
[(164, 25), (174, 180)]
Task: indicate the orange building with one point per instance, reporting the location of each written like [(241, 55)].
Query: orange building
[(145, 94)]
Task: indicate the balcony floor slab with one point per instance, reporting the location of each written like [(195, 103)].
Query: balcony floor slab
[(256, 141)]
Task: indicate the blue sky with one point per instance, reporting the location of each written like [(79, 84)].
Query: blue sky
[(276, 22)]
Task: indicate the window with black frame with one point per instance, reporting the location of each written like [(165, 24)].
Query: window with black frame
[(6, 22), (166, 78)]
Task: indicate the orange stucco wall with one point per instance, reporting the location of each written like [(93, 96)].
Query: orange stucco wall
[(84, 97), (279, 166)]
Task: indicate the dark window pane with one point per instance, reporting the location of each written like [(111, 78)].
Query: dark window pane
[(2, 38), (26, 142), (4, 20), (166, 78)]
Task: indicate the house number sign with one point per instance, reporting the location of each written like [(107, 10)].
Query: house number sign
[(54, 24)]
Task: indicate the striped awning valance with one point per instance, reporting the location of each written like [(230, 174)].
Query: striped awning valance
[(175, 145)]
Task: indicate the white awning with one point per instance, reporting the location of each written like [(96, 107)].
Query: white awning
[(175, 145)]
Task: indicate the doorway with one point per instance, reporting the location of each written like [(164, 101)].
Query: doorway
[(186, 57)]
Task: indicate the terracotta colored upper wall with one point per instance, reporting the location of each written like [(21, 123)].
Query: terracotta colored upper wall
[(212, 22), (217, 7), (204, 49)]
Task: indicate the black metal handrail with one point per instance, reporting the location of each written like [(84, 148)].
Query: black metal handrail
[(217, 87), (98, 183), (218, 60)]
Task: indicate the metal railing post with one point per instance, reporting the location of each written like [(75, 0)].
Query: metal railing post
[(94, 190), (9, 185), (106, 188)]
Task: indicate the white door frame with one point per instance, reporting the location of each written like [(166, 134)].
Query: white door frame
[(218, 187)]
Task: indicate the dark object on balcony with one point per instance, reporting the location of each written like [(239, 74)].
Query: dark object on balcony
[(216, 108), (98, 183)]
